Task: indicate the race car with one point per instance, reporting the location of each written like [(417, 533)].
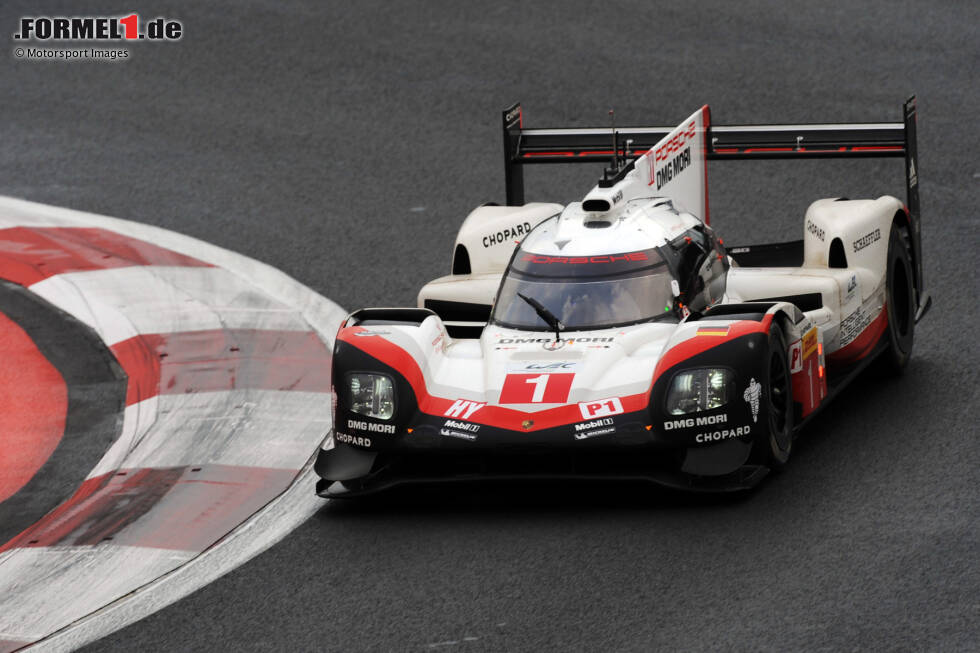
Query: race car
[(617, 337)]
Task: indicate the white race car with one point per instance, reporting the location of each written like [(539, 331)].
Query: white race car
[(616, 337)]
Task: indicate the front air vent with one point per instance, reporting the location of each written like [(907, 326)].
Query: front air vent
[(451, 311), (597, 224), (461, 261), (595, 206), (837, 258)]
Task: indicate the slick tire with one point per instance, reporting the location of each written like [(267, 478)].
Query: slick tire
[(777, 396), (900, 303)]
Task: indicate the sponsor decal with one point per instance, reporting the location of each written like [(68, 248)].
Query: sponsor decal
[(852, 284), (715, 436), (796, 357), (751, 395), (591, 434), (713, 331), (618, 196), (594, 424), (352, 439), (739, 250), (506, 235), (678, 141), (438, 340), (600, 407), (462, 435), (544, 366), (513, 115), (815, 230), (867, 239), (913, 178), (372, 427), (552, 341), (853, 325), (536, 388), (809, 342), (542, 259), (373, 333), (463, 408), (462, 426), (689, 422), (676, 166)]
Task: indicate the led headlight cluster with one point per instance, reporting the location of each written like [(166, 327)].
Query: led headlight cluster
[(371, 395), (702, 389)]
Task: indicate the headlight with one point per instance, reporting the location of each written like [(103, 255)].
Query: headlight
[(372, 395), (693, 391)]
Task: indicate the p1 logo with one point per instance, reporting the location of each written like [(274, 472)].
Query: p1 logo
[(536, 388), (600, 408)]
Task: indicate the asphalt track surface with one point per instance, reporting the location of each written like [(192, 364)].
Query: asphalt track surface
[(343, 143)]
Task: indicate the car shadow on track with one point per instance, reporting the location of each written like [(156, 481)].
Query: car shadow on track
[(552, 497)]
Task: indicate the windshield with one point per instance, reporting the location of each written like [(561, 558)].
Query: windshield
[(592, 292)]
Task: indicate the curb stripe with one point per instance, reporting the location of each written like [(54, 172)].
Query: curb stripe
[(29, 255), (123, 303), (216, 360), (192, 507)]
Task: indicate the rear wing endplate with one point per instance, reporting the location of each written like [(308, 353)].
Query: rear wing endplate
[(524, 146)]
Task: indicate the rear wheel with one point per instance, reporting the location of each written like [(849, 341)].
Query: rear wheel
[(774, 451), (900, 302)]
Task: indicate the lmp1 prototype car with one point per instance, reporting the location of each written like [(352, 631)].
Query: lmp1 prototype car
[(617, 337)]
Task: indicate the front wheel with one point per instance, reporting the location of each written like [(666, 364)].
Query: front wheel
[(777, 393)]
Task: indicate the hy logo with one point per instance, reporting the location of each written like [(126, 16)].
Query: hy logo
[(463, 409)]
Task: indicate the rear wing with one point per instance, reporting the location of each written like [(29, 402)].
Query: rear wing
[(524, 146)]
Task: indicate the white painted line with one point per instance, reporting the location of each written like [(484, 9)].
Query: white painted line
[(56, 585), (254, 428), (137, 421), (121, 303)]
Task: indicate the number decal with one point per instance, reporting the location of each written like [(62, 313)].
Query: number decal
[(536, 388), (540, 383)]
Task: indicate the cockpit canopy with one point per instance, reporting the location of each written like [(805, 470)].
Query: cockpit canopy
[(600, 291), (586, 292)]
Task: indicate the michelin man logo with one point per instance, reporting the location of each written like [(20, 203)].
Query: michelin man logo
[(752, 394)]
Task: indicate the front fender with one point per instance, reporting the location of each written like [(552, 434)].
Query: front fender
[(717, 441)]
